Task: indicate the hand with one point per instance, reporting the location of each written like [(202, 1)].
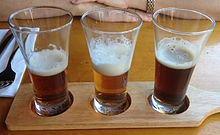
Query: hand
[(119, 4), (113, 3)]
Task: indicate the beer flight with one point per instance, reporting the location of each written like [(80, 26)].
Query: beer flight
[(111, 36)]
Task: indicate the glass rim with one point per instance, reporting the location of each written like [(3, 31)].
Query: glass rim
[(181, 32), (15, 27), (106, 32)]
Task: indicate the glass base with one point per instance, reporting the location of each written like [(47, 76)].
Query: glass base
[(111, 109), (51, 108), (162, 107)]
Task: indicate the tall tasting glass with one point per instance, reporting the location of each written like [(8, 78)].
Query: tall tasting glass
[(42, 34), (111, 36), (180, 35)]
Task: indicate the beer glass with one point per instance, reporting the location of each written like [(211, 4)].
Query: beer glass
[(180, 35), (42, 34), (111, 36)]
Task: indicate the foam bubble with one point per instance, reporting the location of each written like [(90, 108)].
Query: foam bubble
[(176, 53), (111, 58), (48, 62)]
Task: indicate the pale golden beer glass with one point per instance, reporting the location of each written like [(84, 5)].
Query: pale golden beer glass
[(42, 34), (111, 36)]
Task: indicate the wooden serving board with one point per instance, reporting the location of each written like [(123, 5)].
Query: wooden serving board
[(139, 115)]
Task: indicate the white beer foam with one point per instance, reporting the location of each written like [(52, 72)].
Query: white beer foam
[(177, 53), (111, 58), (48, 62)]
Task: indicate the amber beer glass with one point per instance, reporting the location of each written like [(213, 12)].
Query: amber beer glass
[(111, 36), (42, 34), (180, 35)]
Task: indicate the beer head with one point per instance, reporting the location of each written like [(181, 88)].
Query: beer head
[(48, 62), (176, 53), (111, 58)]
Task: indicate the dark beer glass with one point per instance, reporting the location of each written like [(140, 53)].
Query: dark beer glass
[(42, 34), (180, 35), (111, 37)]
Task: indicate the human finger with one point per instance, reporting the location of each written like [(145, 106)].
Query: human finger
[(145, 17), (81, 1), (114, 3), (78, 10), (111, 15)]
